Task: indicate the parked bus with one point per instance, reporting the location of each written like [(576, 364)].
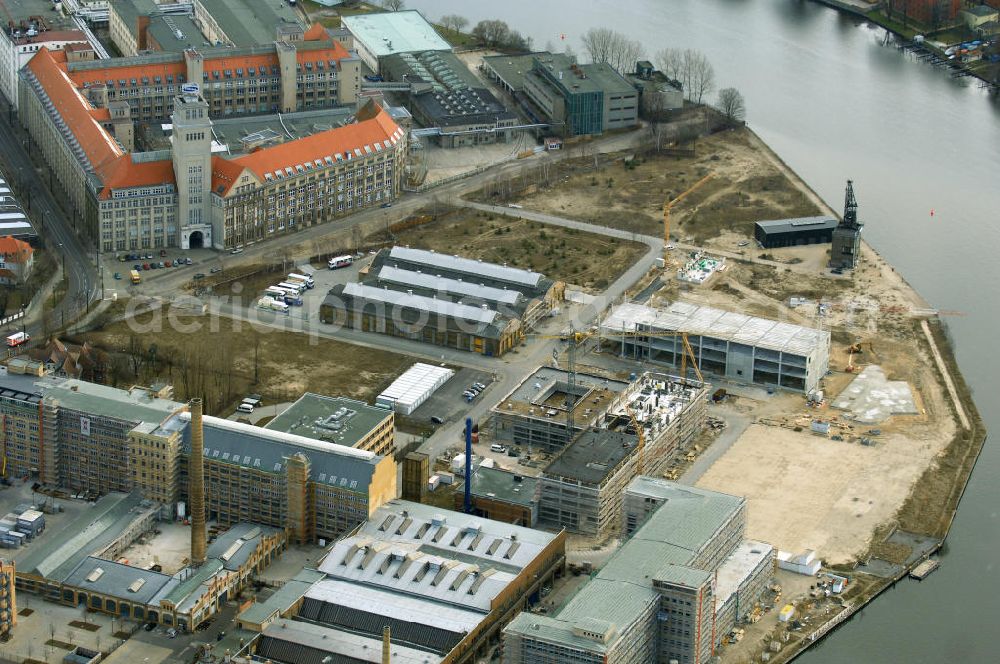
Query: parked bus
[(136, 278), (17, 339), (304, 278), (299, 288), (339, 262)]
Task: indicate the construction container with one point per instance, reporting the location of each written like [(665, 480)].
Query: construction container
[(787, 613), (446, 478), (434, 482), (458, 465), (31, 523)]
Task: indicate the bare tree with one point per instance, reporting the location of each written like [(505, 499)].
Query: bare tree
[(614, 48), (701, 75), (731, 105), (136, 353), (453, 22), (393, 5), (491, 32), (670, 61), (599, 43)]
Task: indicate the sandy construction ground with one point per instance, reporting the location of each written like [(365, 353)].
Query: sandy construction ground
[(808, 492)]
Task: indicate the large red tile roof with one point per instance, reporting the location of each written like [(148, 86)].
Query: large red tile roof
[(15, 250), (124, 173), (374, 127), (99, 146)]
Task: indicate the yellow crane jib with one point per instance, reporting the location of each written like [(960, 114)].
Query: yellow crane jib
[(666, 212)]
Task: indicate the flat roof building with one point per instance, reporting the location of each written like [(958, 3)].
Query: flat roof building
[(377, 36), (794, 232), (734, 346), (444, 94), (444, 582), (583, 99), (247, 22), (338, 420), (502, 496), (656, 599)]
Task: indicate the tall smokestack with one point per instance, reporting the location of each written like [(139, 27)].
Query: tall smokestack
[(386, 645), (196, 484)]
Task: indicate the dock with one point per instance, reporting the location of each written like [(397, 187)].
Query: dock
[(924, 569)]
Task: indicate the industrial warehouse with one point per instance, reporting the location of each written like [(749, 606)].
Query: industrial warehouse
[(682, 581), (734, 346), (444, 583), (443, 300), (82, 564)]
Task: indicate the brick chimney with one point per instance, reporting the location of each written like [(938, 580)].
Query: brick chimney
[(196, 484)]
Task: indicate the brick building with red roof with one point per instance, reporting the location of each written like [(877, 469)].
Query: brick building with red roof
[(187, 197)]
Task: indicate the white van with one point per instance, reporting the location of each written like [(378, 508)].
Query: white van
[(497, 447), (244, 408)]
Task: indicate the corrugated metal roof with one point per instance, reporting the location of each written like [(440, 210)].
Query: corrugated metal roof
[(56, 555), (394, 275), (306, 643), (243, 539), (395, 32), (394, 605), (707, 321), (466, 265), (420, 303), (777, 226), (283, 598)]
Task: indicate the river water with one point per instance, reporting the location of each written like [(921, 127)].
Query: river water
[(835, 103)]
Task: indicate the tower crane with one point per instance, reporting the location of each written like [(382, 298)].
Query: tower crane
[(666, 214)]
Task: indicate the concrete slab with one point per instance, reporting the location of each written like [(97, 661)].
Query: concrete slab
[(872, 398)]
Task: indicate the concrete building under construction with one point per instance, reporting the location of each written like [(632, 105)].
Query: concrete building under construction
[(734, 346)]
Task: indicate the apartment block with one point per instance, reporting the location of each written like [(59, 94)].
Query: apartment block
[(670, 593)]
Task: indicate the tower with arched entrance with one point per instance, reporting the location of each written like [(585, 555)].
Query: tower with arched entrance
[(192, 157)]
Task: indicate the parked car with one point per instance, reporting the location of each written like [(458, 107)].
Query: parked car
[(118, 276), (168, 264), (200, 275), (187, 260), (149, 627), (215, 270), (436, 419), (161, 264), (137, 266), (148, 257), (145, 266)]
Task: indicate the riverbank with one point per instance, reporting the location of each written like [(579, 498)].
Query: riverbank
[(870, 511), (987, 73)]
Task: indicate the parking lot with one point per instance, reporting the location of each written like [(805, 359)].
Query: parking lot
[(447, 403)]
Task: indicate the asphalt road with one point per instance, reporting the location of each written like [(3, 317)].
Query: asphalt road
[(54, 226)]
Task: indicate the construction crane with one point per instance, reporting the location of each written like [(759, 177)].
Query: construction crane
[(666, 214), (575, 338)]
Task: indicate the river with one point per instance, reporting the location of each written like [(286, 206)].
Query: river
[(835, 103)]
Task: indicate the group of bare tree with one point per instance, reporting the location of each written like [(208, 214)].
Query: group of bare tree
[(393, 5), (691, 68), (453, 22), (196, 371), (612, 47), (494, 33)]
